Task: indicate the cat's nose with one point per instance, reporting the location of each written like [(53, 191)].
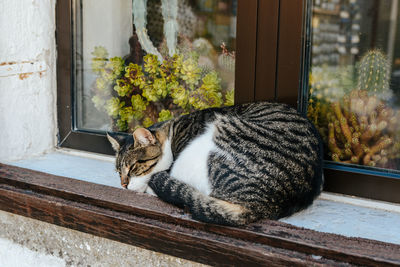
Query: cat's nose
[(124, 181)]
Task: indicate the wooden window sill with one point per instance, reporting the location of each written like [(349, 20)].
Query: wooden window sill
[(147, 222)]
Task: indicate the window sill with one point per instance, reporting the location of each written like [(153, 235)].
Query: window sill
[(145, 221)]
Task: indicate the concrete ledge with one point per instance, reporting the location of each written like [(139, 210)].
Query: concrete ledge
[(53, 245)]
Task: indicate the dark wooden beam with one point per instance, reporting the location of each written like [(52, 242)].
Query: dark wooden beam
[(364, 185), (266, 56), (143, 232), (246, 38), (289, 50), (147, 222)]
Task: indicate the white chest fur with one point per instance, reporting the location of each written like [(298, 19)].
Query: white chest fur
[(191, 166)]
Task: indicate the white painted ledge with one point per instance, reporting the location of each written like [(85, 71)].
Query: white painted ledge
[(331, 213)]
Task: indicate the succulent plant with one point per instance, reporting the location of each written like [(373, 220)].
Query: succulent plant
[(358, 126), (156, 91)]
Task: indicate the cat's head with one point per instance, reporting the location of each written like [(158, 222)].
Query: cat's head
[(136, 155)]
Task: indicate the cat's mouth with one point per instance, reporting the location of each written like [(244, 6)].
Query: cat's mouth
[(124, 182)]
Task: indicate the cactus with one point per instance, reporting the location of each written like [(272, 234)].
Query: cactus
[(358, 126), (373, 74), (358, 129), (227, 59)]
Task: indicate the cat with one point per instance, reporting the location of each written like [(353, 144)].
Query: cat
[(231, 166)]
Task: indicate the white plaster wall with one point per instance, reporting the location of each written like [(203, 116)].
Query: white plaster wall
[(27, 128), (27, 78)]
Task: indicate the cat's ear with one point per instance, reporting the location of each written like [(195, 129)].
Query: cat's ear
[(115, 140), (143, 137)]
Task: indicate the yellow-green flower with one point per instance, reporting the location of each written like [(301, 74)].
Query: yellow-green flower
[(113, 106), (209, 94), (151, 63), (99, 59), (98, 64), (180, 96), (156, 90), (122, 125), (107, 75), (160, 88), (147, 122), (138, 103), (102, 84), (135, 75), (98, 102), (100, 52), (202, 99), (123, 87), (116, 64), (149, 93), (164, 115), (190, 72), (211, 81), (126, 114), (177, 62), (229, 97)]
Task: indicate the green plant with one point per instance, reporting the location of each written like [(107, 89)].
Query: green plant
[(358, 125), (155, 91), (373, 74)]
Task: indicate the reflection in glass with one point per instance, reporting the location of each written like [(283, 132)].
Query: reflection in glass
[(139, 62), (354, 93)]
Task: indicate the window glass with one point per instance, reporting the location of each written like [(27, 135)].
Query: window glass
[(354, 81), (138, 62)]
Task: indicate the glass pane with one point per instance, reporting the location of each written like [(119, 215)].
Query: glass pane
[(354, 81), (138, 62)]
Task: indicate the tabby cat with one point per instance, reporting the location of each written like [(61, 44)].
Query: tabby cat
[(230, 165)]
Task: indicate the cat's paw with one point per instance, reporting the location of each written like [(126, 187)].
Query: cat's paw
[(158, 180), (138, 184)]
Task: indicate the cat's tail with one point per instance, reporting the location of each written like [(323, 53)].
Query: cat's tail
[(202, 207)]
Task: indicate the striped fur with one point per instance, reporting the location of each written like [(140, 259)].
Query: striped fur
[(267, 163)]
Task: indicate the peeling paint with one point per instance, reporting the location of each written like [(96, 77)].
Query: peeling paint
[(23, 68), (6, 63), (14, 62), (23, 76)]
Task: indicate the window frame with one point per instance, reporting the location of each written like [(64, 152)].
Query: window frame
[(272, 57), (70, 137), (294, 44), (274, 32), (148, 222)]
